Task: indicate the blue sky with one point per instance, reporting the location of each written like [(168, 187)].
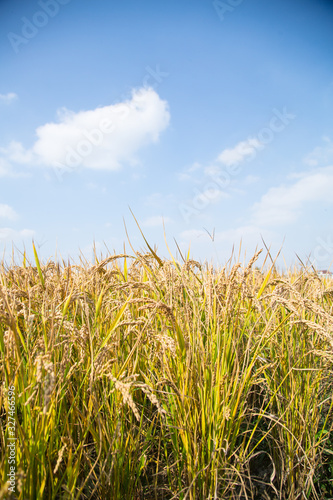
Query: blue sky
[(213, 116)]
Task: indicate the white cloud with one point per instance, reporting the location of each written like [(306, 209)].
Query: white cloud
[(187, 174), (5, 167), (93, 186), (156, 220), (211, 194), (242, 150), (8, 234), (251, 179), (6, 212), (283, 204), (239, 233), (321, 155), (102, 138), (192, 234), (16, 153), (159, 200), (8, 98), (195, 166), (212, 170)]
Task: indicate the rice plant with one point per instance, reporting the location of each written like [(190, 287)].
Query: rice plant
[(138, 377)]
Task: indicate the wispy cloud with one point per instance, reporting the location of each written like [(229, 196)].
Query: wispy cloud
[(192, 234), (156, 221), (16, 153), (5, 167), (159, 200), (8, 234), (284, 204), (227, 164), (8, 98), (251, 179), (187, 174), (7, 212), (321, 155), (229, 157), (242, 151), (246, 232)]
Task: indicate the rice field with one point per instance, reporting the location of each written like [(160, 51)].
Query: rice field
[(137, 377)]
